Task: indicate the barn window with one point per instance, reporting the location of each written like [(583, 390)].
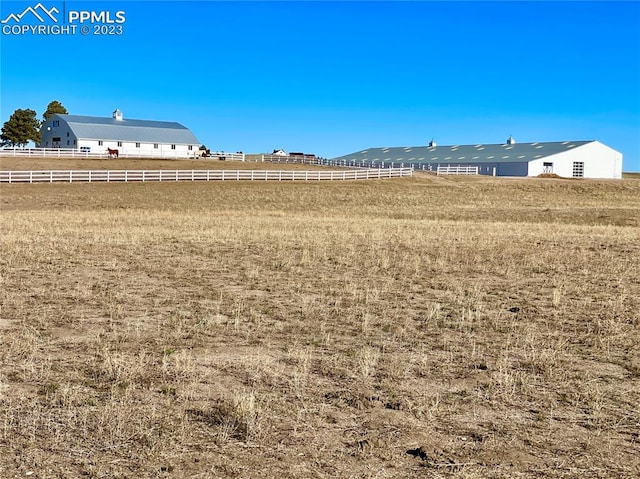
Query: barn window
[(578, 169), (67, 142), (74, 142), (99, 142), (190, 147), (119, 143), (56, 123), (137, 145), (67, 134), (155, 145), (173, 147), (547, 167)]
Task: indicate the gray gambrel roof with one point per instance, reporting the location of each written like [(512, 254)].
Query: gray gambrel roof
[(146, 131), (501, 153)]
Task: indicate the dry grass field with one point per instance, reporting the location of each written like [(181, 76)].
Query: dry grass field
[(26, 164), (413, 328)]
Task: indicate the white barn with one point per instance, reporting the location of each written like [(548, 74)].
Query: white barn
[(95, 134), (569, 159)]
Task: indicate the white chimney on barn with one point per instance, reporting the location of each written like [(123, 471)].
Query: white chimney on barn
[(432, 143), (511, 140), (117, 115)]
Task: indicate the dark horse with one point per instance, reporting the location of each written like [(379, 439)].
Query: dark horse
[(112, 153)]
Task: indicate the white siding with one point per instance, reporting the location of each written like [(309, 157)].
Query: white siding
[(61, 130), (164, 150), (599, 160)]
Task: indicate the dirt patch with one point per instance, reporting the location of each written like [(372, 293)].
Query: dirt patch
[(25, 164)]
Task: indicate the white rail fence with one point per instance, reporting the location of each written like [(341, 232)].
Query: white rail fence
[(363, 163), (308, 160), (458, 170), (90, 176), (77, 153)]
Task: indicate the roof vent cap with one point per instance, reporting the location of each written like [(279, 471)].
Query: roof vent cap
[(511, 140), (117, 115), (432, 143)]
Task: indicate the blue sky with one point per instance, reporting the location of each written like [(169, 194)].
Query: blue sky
[(335, 77)]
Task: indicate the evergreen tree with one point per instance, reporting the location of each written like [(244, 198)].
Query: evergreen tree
[(54, 107), (22, 126)]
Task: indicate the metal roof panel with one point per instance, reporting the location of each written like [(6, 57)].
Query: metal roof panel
[(147, 131), (474, 153)]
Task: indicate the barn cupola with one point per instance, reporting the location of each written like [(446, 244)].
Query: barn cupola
[(117, 115), (511, 140), (432, 143)]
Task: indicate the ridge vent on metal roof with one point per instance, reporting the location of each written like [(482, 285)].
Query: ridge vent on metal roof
[(117, 115)]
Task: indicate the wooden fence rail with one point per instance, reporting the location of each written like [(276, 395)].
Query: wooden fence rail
[(90, 176)]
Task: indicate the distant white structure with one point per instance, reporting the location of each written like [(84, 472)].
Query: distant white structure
[(131, 137), (279, 153)]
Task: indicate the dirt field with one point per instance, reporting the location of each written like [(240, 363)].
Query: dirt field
[(26, 164), (414, 328)]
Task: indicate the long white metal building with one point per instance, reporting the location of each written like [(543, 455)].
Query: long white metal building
[(569, 159), (131, 137)]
